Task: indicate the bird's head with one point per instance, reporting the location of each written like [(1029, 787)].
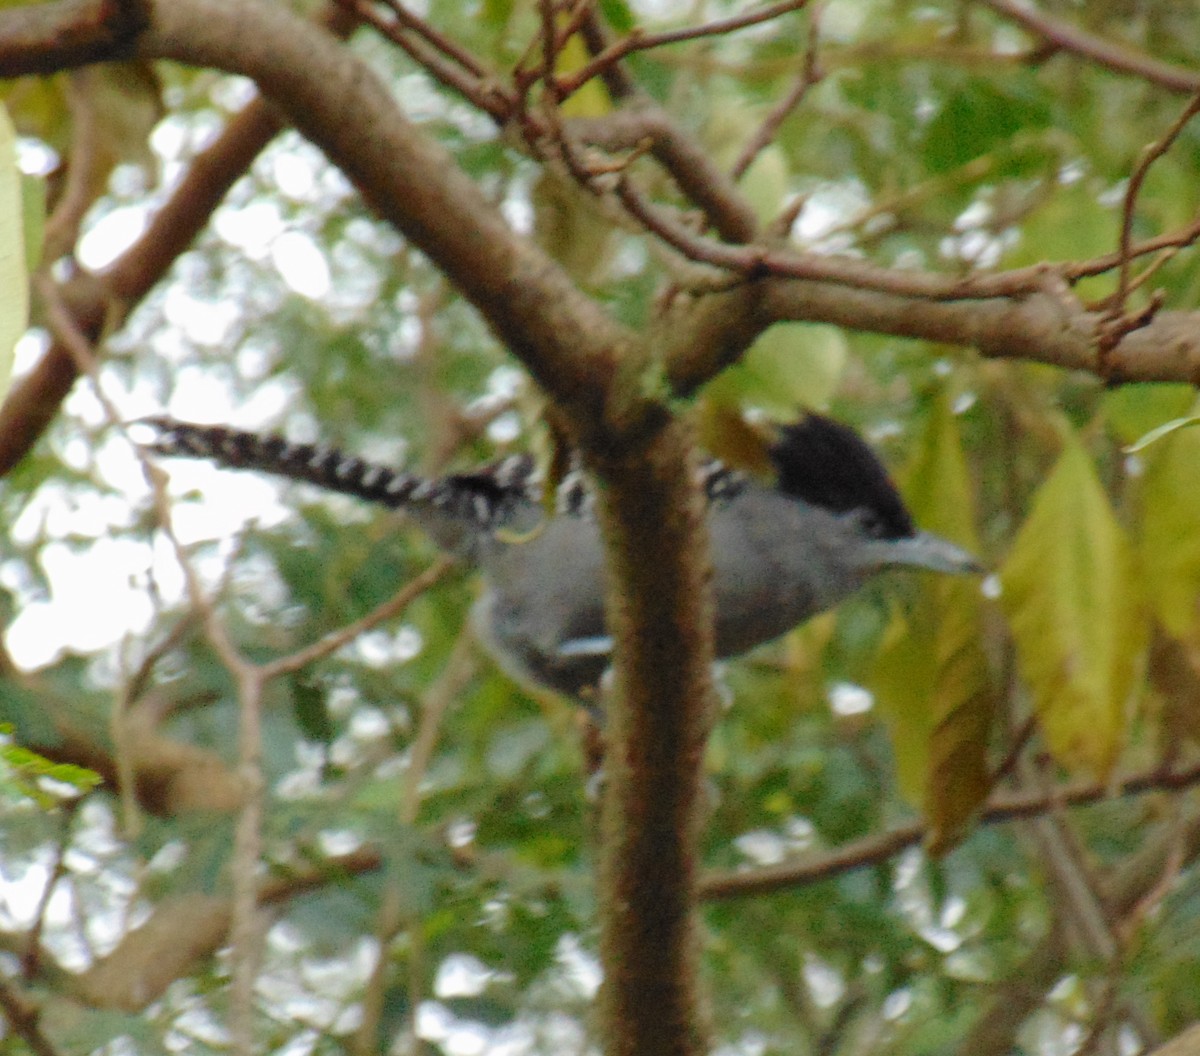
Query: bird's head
[(826, 464)]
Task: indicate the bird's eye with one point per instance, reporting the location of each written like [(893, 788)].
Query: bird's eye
[(871, 523)]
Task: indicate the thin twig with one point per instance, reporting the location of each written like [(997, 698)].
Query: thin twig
[(1116, 320), (871, 850), (333, 641), (1106, 53), (638, 40), (452, 66), (23, 1018), (810, 74), (31, 955), (446, 45)]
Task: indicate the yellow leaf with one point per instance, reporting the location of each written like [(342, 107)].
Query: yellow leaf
[(592, 98), (932, 679), (1074, 601), (14, 279), (1169, 540)]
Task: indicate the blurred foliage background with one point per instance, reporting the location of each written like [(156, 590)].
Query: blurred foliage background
[(430, 826)]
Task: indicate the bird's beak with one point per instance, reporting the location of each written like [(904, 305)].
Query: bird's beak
[(925, 550)]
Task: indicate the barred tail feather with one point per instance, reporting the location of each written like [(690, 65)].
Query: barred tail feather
[(316, 464), (452, 507)]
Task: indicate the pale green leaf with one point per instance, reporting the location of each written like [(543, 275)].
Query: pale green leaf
[(1074, 601), (791, 366), (1134, 411), (765, 183), (14, 279), (1169, 537), (1162, 432)]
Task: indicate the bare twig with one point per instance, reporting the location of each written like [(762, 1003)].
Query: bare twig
[(453, 66), (31, 955), (1106, 53), (810, 74), (871, 850), (390, 920), (1116, 322), (641, 41), (23, 1019), (333, 641)]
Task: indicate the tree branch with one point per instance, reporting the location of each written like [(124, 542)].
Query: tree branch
[(1106, 53), (45, 38), (657, 722), (871, 850)]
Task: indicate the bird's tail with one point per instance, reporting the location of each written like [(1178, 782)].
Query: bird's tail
[(482, 500)]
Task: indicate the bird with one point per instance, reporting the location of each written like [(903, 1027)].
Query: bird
[(782, 550)]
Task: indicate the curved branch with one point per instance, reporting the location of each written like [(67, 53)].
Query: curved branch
[(35, 399), (569, 344), (1106, 53), (871, 850), (45, 38)]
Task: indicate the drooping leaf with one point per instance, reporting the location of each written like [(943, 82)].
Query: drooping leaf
[(1163, 431), (1073, 598), (1169, 536), (1139, 415), (933, 678), (14, 281)]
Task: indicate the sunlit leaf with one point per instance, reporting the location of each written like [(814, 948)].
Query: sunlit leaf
[(14, 280), (765, 183), (1074, 601), (592, 98), (1134, 411)]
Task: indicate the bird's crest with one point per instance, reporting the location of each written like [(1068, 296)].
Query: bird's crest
[(827, 464)]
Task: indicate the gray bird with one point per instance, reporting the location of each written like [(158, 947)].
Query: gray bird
[(783, 552)]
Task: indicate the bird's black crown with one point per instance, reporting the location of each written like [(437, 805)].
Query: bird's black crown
[(827, 464)]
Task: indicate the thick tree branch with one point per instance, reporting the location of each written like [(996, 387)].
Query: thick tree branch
[(1046, 327), (96, 300), (45, 38), (569, 344), (657, 724), (35, 399)]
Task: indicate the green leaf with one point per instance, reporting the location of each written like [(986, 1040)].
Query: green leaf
[(1169, 536), (14, 279), (766, 182), (932, 678), (790, 366), (1074, 601), (1163, 431), (1134, 411), (976, 119), (308, 706)]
